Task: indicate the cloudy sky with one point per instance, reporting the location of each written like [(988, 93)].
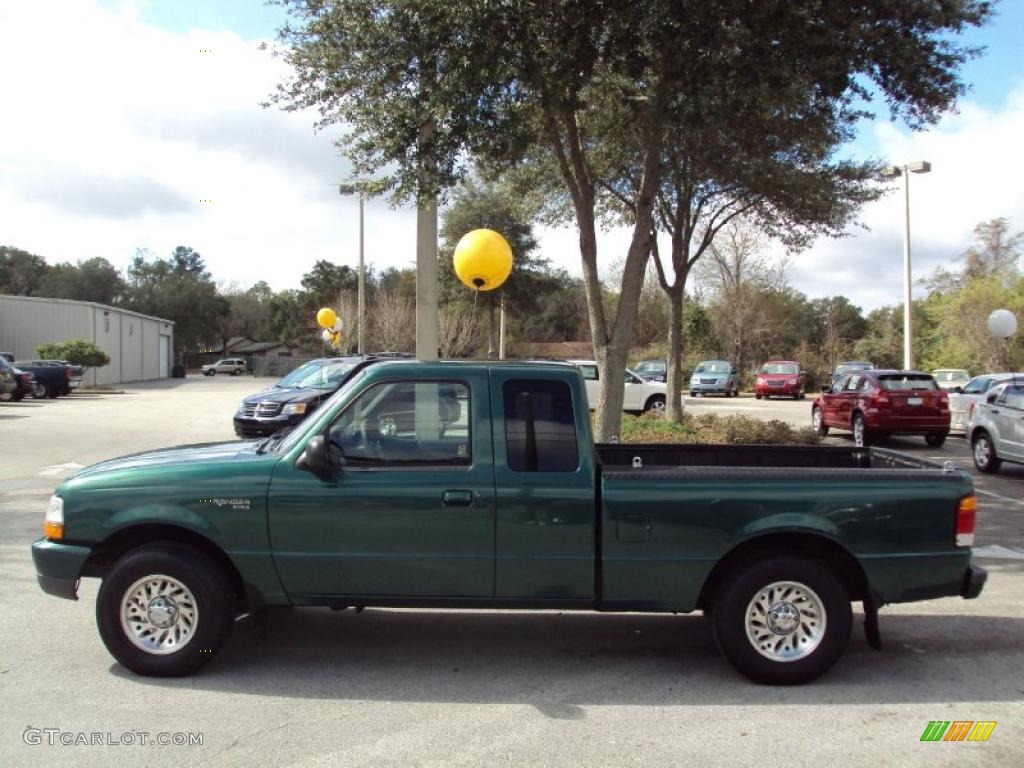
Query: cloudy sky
[(136, 124)]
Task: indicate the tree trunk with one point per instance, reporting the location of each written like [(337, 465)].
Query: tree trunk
[(674, 376)]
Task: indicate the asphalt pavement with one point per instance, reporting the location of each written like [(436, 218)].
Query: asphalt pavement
[(403, 687)]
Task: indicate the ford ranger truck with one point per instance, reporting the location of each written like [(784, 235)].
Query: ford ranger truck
[(478, 485)]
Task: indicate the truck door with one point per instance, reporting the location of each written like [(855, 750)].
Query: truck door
[(544, 485), (411, 510)]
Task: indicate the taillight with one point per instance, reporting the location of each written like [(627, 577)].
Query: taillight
[(880, 397), (943, 401), (966, 518), (67, 373)]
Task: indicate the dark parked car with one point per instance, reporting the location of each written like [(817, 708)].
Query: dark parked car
[(780, 378), (52, 377), (881, 403), (651, 370), (296, 395)]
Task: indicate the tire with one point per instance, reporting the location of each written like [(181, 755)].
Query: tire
[(818, 422), (209, 373), (6, 397), (236, 371), (984, 453), (40, 390), (655, 404), (758, 396), (695, 394), (861, 438), (935, 439), (193, 585), (782, 620)]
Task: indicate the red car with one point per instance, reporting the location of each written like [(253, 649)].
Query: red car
[(880, 403), (780, 378)]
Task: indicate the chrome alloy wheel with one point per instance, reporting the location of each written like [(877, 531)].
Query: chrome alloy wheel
[(816, 419), (982, 451), (858, 432), (159, 615), (785, 621)]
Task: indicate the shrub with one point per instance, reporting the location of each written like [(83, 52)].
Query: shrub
[(75, 351), (710, 428)]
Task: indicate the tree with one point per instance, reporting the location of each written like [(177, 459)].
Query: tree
[(76, 352), (995, 253), (180, 289), (94, 279), (325, 281), (20, 271), (422, 88), (838, 325), (393, 321)]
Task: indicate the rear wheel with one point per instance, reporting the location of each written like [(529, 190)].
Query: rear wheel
[(758, 396), (818, 422), (40, 390), (655, 404), (860, 431), (782, 620), (164, 610), (236, 371), (935, 439), (985, 458)]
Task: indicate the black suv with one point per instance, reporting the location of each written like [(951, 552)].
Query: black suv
[(297, 395)]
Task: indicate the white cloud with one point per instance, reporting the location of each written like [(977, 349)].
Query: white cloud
[(114, 130)]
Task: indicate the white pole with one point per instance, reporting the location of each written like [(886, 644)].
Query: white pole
[(501, 329), (361, 300), (908, 322)]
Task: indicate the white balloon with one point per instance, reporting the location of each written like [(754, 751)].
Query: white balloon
[(1002, 323), (337, 325), (326, 336)]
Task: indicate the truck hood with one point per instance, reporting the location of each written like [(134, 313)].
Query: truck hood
[(206, 453)]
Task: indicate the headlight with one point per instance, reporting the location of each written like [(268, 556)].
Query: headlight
[(793, 382), (53, 523), (295, 409)]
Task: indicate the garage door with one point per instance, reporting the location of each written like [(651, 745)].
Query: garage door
[(165, 356)]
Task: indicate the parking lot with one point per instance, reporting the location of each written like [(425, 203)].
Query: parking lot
[(401, 687)]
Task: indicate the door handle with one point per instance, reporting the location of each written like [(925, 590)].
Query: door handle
[(995, 410), (457, 498)]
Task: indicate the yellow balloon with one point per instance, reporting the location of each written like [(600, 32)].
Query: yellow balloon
[(325, 318), (483, 259)]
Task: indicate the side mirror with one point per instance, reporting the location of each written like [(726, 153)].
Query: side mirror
[(314, 458), (958, 390), (992, 397)]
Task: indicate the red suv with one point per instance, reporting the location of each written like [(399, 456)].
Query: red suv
[(780, 378), (881, 403)]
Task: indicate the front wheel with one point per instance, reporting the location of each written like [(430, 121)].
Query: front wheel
[(164, 610), (818, 423), (935, 439), (236, 372), (984, 451), (782, 620)]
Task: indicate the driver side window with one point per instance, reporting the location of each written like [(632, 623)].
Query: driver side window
[(406, 424)]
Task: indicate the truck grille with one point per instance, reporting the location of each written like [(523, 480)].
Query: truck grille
[(709, 381), (249, 409), (268, 409)]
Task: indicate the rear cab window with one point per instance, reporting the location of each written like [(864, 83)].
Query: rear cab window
[(540, 426)]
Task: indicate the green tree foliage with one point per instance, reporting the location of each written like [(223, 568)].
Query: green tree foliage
[(425, 85), (20, 271), (75, 351), (180, 289), (326, 281), (94, 279)]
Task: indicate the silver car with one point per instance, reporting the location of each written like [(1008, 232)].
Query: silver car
[(996, 429), (960, 403)]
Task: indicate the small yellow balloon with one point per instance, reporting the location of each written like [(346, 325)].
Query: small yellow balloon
[(483, 259), (325, 318)]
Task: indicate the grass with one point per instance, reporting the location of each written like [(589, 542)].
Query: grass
[(709, 428)]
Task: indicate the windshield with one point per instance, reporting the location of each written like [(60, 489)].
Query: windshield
[(299, 374), (979, 385), (304, 428), (905, 382), (650, 366), (780, 368), (321, 375), (713, 366)]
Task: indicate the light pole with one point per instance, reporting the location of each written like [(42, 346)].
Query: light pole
[(348, 189), (892, 171)]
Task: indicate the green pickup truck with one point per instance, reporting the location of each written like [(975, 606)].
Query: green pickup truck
[(478, 485)]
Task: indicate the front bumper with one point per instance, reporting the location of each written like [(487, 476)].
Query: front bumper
[(59, 567), (719, 387), (249, 427), (785, 390), (974, 582)]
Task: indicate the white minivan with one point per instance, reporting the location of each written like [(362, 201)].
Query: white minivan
[(639, 397)]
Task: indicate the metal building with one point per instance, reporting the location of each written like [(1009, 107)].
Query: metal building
[(139, 346)]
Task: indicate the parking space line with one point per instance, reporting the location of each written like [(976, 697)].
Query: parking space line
[(1000, 497)]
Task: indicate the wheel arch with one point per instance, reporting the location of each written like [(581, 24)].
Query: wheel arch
[(800, 543), (107, 552)]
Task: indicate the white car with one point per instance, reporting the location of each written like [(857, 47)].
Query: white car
[(232, 365), (962, 402), (951, 378), (996, 429), (640, 396)]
